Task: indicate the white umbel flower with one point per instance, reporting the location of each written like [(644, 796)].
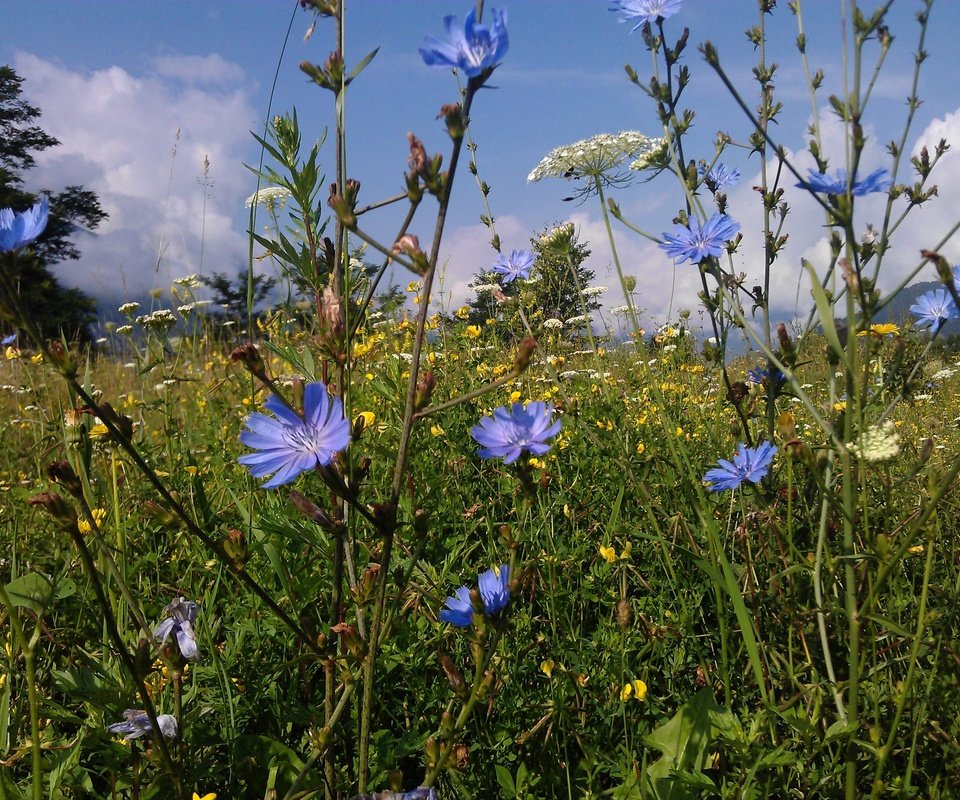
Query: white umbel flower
[(877, 443)]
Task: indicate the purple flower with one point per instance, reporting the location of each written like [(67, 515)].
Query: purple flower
[(934, 308), (645, 10), (516, 265), (749, 464), (19, 230), (766, 375), (472, 49), (877, 181), (699, 242), (511, 431), (181, 614), (720, 177), (290, 444), (494, 592), (136, 724)]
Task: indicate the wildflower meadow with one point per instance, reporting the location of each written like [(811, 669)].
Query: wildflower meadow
[(354, 543)]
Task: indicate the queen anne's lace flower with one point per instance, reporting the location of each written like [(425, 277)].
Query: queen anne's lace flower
[(877, 443), (270, 197), (598, 156)]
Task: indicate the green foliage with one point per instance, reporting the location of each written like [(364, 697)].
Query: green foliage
[(54, 309)]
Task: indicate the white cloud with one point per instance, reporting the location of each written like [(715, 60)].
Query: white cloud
[(140, 142)]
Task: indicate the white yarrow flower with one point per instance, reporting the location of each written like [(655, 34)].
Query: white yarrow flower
[(270, 197), (877, 443)]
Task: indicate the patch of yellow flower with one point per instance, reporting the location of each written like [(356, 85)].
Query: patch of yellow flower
[(636, 689), (546, 667), (472, 331), (610, 555), (99, 515), (880, 329)]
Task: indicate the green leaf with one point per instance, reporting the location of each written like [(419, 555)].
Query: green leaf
[(363, 63), (507, 788), (33, 591), (825, 312)]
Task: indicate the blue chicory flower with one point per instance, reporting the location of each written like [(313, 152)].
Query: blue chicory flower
[(494, 586), (472, 49), (700, 242), (181, 614), (290, 444), (749, 464), (934, 308), (19, 230), (511, 431), (136, 724), (762, 375), (645, 10), (517, 265), (877, 181), (720, 177), (8, 339)]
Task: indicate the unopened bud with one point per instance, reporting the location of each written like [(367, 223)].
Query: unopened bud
[(312, 511), (421, 521), (623, 614), (522, 359), (348, 635), (60, 358), (248, 355), (409, 245), (56, 507), (454, 678), (452, 114), (424, 390), (235, 546), (418, 156), (161, 515), (62, 473)]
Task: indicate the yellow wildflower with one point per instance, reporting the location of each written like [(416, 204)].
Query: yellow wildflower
[(515, 396), (472, 331), (37, 359), (627, 549), (880, 329), (413, 286), (546, 667), (609, 554), (463, 312), (207, 796), (99, 515), (436, 430), (536, 463), (11, 353), (368, 418), (636, 689), (640, 448)]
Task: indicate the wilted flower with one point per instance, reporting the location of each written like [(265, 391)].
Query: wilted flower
[(516, 265), (494, 592), (934, 308), (644, 10), (290, 444), (136, 724), (749, 464), (472, 49), (20, 229), (181, 614), (700, 242), (511, 431), (877, 181)]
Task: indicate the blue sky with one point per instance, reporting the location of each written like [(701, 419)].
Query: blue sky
[(117, 80)]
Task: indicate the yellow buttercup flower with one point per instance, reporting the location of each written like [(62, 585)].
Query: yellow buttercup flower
[(515, 396), (609, 554)]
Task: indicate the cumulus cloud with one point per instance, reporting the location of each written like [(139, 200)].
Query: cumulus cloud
[(140, 142)]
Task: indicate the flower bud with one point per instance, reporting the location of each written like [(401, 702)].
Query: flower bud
[(60, 357), (454, 678), (409, 245), (452, 114), (248, 355), (348, 635), (235, 546), (424, 390), (522, 359), (313, 512), (62, 473), (56, 507)]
